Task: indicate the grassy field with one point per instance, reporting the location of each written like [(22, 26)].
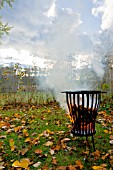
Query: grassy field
[(38, 137)]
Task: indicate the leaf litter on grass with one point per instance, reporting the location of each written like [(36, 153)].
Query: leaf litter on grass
[(39, 138)]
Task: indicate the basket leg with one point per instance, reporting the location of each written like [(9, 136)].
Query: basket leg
[(93, 142)]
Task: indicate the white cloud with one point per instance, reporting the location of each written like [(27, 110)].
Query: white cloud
[(8, 55), (52, 10), (105, 9)]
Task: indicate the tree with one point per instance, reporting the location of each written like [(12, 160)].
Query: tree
[(4, 27)]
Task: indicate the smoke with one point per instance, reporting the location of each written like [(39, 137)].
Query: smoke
[(75, 57), (69, 49)]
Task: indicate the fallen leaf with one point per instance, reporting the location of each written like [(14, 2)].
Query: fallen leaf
[(96, 154), (62, 168), (1, 143), (37, 164), (3, 137), (2, 167), (49, 143), (97, 167), (105, 156), (111, 137), (85, 152), (106, 131), (111, 161), (16, 164), (65, 140), (25, 132), (24, 163), (52, 152), (16, 129), (11, 143), (71, 167), (38, 151), (56, 148), (54, 161), (28, 139), (79, 164), (111, 142), (24, 151)]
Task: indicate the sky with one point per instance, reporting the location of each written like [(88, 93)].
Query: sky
[(53, 28)]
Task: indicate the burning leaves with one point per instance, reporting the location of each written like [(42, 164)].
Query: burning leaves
[(41, 139)]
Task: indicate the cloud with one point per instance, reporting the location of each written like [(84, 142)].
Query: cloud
[(62, 33), (52, 10), (105, 10)]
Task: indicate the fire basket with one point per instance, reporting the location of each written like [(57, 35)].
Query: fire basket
[(83, 109)]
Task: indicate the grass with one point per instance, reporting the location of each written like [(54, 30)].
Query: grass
[(41, 133)]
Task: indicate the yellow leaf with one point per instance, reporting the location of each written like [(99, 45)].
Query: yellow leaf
[(11, 143), (105, 131), (28, 139), (23, 164), (17, 115), (12, 148), (16, 164), (49, 111), (25, 132), (16, 129), (97, 167)]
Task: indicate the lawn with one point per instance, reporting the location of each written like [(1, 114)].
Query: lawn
[(38, 137)]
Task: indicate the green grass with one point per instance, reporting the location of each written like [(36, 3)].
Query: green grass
[(49, 123)]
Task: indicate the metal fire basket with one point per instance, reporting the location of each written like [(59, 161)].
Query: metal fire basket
[(83, 109)]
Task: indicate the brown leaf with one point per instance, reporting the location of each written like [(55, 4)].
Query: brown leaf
[(96, 154), (79, 164), (111, 137), (38, 151), (111, 161), (1, 143), (24, 151), (85, 152), (105, 156), (72, 167), (62, 167), (54, 161), (56, 148)]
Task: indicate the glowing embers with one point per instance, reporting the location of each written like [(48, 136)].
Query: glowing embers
[(83, 120)]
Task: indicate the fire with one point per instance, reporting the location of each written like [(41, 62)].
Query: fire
[(80, 117)]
